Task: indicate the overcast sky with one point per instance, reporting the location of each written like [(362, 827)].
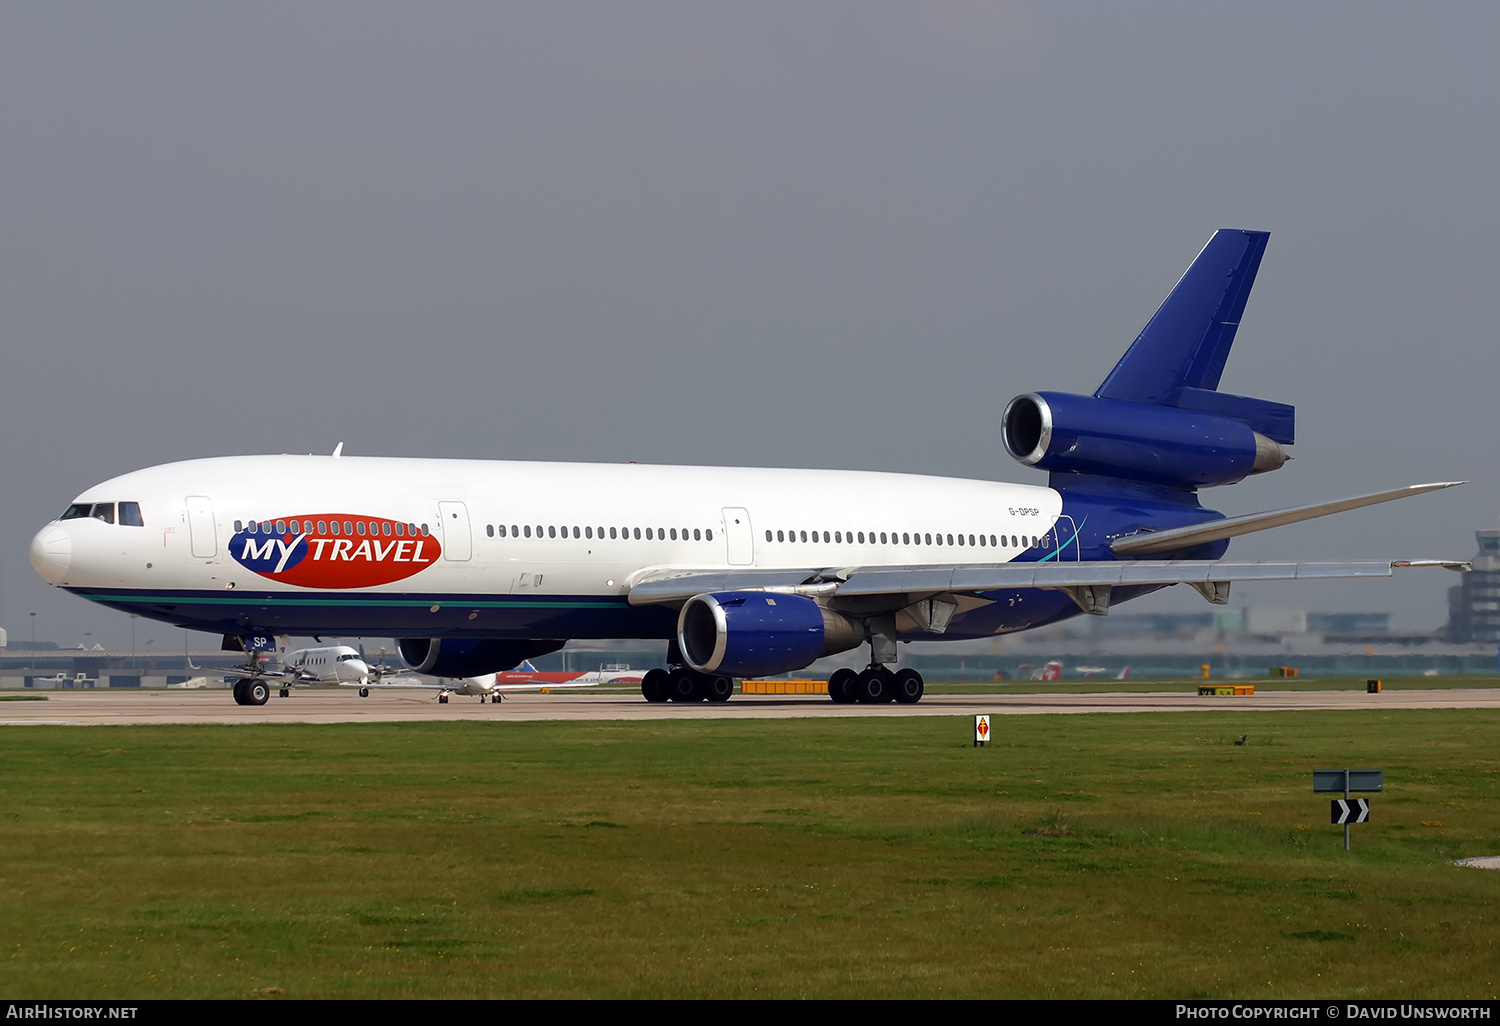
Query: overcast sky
[(775, 234)]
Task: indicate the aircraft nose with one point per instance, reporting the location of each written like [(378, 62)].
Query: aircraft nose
[(52, 553)]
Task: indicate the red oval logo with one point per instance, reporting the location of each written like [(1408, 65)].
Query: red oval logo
[(334, 551)]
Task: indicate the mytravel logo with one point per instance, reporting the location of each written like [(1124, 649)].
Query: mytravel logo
[(328, 551)]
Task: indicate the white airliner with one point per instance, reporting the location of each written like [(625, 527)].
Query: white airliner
[(526, 677), (475, 566)]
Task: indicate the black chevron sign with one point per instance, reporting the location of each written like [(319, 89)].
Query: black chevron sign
[(1350, 810)]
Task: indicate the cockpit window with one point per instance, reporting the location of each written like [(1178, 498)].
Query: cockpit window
[(130, 514), (104, 511), (77, 511)]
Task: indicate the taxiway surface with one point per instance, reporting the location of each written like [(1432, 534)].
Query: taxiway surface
[(127, 707)]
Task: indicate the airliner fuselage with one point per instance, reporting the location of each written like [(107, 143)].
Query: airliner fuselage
[(399, 547)]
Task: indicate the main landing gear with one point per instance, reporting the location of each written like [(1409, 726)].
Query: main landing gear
[(681, 684), (251, 691), (876, 684), (873, 685)]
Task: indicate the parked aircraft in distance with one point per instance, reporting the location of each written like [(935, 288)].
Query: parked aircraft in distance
[(608, 673), (526, 677), (475, 566)]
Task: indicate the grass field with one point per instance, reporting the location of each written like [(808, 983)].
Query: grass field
[(1189, 685), (1078, 856)]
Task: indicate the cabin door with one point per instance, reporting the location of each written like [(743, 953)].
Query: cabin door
[(457, 545), (200, 511), (740, 538)]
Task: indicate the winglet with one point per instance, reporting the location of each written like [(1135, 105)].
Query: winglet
[(338, 450)]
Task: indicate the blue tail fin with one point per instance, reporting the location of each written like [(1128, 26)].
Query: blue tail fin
[(1179, 356)]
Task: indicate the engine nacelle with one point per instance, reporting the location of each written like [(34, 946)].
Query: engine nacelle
[(469, 657), (750, 633), (1085, 434)]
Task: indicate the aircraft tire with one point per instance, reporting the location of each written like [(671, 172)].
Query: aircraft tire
[(239, 691), (257, 692), (720, 689), (908, 687), (841, 685), (654, 685), (685, 686), (442, 699), (873, 686), (284, 693), (364, 692)]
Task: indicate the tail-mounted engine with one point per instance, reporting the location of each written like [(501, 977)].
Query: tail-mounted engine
[(1167, 445)]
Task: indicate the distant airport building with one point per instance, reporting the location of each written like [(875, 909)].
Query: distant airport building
[(1474, 603)]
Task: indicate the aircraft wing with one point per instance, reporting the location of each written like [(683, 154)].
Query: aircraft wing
[(1087, 583)]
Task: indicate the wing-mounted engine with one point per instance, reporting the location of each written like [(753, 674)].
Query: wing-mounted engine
[(469, 657), (1167, 445), (751, 633)]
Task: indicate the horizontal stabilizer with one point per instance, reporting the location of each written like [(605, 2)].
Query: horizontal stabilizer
[(1277, 421), (1178, 538)]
